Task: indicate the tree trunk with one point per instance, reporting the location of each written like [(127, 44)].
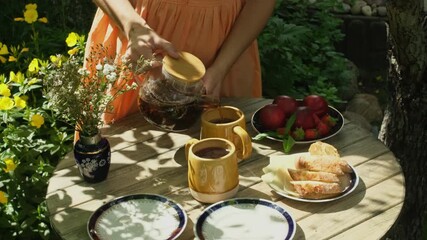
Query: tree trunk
[(404, 129)]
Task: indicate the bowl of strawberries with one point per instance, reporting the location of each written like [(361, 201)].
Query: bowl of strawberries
[(299, 121)]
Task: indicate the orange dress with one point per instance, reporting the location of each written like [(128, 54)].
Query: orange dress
[(196, 26)]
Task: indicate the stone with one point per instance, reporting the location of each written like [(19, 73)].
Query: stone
[(366, 10), (347, 91), (357, 119), (356, 8), (366, 105), (382, 11)]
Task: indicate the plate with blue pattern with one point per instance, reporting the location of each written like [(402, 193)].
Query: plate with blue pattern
[(245, 218), (140, 216)]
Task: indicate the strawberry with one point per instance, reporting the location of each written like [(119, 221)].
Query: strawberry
[(329, 120), (298, 134), (323, 128), (316, 119), (281, 131), (311, 134)]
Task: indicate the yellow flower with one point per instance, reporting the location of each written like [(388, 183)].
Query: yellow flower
[(12, 59), (19, 19), (18, 77), (73, 51), (31, 15), (25, 49), (31, 6), (20, 102), (4, 90), (57, 60), (37, 120), (34, 66), (3, 197), (43, 20), (6, 103), (33, 81), (10, 165), (72, 39), (3, 49)]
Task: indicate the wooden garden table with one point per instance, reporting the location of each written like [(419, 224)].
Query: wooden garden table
[(146, 159)]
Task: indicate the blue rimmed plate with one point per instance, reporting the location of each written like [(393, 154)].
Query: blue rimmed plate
[(141, 216), (245, 218)]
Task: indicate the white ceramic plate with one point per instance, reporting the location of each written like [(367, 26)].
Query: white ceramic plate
[(288, 161), (142, 216), (245, 218), (256, 125)]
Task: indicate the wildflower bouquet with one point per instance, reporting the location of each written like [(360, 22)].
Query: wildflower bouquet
[(81, 95)]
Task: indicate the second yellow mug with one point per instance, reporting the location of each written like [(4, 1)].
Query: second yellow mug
[(229, 123)]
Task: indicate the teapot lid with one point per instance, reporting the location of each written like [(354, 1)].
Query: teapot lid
[(186, 68)]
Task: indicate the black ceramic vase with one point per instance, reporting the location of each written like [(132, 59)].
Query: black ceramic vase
[(93, 155)]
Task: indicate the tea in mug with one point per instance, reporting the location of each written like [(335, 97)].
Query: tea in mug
[(212, 152), (221, 120)]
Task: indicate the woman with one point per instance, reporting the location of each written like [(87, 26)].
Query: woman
[(222, 33)]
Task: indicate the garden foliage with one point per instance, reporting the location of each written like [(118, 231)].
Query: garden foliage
[(32, 140), (297, 51)]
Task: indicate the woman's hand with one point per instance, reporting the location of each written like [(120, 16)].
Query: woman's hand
[(143, 41), (213, 81)]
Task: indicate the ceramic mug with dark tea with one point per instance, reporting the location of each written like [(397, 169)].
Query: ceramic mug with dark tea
[(212, 169), (229, 123)]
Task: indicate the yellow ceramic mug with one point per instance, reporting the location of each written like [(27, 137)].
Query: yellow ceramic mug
[(229, 123), (212, 169)]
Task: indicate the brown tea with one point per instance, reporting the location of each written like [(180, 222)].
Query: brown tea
[(222, 120), (172, 117), (212, 152)]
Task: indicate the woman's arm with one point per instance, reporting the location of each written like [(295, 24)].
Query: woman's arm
[(142, 40), (247, 27)]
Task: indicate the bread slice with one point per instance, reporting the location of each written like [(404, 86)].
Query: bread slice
[(326, 163), (316, 189), (304, 175), (321, 148)]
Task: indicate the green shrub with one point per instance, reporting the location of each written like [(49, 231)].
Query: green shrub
[(297, 51), (32, 140)]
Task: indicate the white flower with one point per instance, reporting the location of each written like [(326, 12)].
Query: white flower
[(112, 76), (108, 69), (83, 72), (99, 67)]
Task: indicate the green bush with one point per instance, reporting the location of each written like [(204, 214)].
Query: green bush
[(297, 51), (32, 140)]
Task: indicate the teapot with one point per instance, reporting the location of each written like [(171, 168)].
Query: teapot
[(170, 97)]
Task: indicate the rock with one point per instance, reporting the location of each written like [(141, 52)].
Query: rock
[(346, 8), (347, 91), (382, 11), (356, 8), (357, 119), (366, 105), (367, 10), (374, 11)]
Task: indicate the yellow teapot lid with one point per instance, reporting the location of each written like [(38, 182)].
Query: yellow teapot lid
[(186, 68)]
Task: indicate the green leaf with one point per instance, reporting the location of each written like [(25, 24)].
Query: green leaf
[(288, 143), (290, 123)]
